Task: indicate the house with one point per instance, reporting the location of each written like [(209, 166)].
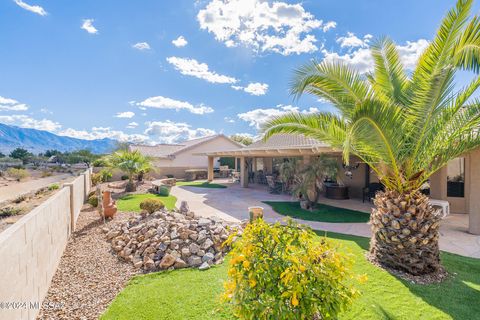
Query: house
[(456, 183), (174, 159)]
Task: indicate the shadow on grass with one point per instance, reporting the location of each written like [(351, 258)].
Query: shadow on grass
[(322, 212), (458, 296)]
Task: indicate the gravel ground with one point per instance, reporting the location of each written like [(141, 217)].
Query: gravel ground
[(89, 276)]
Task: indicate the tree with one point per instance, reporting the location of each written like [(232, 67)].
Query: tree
[(52, 152), (21, 154), (132, 163), (2, 155), (241, 138), (404, 126)]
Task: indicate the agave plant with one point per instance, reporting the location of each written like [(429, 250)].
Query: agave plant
[(132, 163), (404, 125)]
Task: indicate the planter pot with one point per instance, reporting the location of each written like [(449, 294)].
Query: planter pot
[(304, 204), (255, 213)]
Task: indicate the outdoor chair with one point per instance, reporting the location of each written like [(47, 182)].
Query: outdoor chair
[(274, 187), (251, 177), (372, 189)]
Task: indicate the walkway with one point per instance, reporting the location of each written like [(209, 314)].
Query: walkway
[(17, 189), (232, 203)]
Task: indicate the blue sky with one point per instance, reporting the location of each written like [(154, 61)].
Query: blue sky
[(164, 71)]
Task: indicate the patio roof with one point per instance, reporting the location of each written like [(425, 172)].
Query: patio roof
[(278, 145)]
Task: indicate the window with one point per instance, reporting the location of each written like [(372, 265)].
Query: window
[(456, 178)]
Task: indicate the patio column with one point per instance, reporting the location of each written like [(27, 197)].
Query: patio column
[(306, 159), (210, 168), (243, 173), (473, 204), (235, 167), (254, 164)]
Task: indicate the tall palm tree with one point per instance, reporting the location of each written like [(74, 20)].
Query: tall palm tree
[(132, 163), (405, 126)]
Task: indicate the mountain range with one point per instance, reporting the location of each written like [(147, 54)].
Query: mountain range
[(37, 141)]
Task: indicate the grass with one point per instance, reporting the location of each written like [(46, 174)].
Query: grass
[(322, 212), (200, 184), (193, 294), (131, 202)]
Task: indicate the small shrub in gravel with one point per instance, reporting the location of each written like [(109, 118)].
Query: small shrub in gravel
[(18, 174), (93, 201), (9, 211), (151, 205), (52, 187)]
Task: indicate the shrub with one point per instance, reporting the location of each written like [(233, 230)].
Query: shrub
[(164, 191), (9, 211), (54, 186), (96, 179), (105, 174), (93, 201), (124, 177), (151, 205), (20, 198), (46, 174), (100, 162), (18, 174), (286, 272)]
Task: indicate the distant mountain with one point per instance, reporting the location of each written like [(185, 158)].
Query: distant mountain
[(36, 141)]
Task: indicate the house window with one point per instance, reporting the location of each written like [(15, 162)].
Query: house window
[(456, 178)]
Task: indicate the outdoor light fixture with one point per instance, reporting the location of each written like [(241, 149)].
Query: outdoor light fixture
[(349, 168)]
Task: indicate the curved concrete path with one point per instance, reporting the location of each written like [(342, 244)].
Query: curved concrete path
[(231, 204)]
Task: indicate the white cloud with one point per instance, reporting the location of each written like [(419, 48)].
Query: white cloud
[(28, 122), (192, 67), (228, 119), (263, 25), (180, 42), (257, 117), (362, 61), (352, 41), (329, 25), (173, 132), (8, 104), (254, 88), (32, 8), (7, 101), (132, 125), (126, 114), (141, 46), (160, 102), (87, 25), (45, 110), (102, 133)]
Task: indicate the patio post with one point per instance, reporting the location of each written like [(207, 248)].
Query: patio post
[(474, 201), (306, 159), (243, 173), (210, 168)]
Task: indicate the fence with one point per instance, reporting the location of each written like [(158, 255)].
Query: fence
[(30, 250)]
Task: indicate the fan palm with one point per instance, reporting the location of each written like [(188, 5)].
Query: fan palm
[(132, 163), (405, 126)]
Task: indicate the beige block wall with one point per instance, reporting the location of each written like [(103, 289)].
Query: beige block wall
[(30, 251)]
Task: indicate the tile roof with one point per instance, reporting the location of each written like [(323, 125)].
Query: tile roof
[(286, 141)]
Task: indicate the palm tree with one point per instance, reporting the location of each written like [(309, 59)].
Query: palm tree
[(132, 163), (404, 126)]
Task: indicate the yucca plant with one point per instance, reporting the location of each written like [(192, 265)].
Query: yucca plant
[(132, 163), (405, 126)]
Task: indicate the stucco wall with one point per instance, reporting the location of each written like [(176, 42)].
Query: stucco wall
[(30, 251)]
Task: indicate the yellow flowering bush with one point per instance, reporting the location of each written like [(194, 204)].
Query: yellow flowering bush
[(286, 272)]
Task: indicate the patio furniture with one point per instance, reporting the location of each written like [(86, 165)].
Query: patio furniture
[(251, 177), (274, 186), (445, 205), (337, 192), (235, 176), (372, 189)]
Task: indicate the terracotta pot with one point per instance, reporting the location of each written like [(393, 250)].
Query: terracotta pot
[(109, 206)]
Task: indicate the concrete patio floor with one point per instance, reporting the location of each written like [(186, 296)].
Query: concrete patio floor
[(231, 204)]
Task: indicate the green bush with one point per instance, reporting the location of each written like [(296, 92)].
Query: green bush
[(286, 272), (100, 162), (93, 201), (151, 205), (9, 211), (164, 191), (54, 186), (18, 174), (124, 177), (105, 174)]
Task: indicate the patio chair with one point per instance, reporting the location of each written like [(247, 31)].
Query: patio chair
[(372, 189), (273, 186)]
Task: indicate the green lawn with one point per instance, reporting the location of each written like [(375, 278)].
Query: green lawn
[(131, 202), (193, 294), (200, 184), (322, 212)]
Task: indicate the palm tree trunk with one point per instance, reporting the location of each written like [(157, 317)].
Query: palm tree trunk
[(405, 233), (130, 187)]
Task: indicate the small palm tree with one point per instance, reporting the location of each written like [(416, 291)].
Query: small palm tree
[(404, 126), (132, 163)]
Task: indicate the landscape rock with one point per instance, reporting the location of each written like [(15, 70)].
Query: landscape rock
[(167, 240)]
